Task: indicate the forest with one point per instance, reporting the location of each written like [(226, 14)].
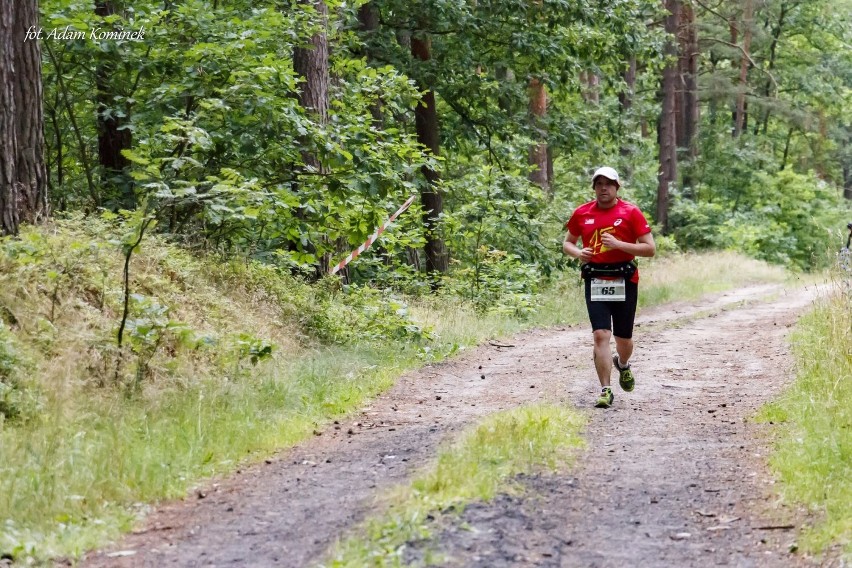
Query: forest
[(288, 132), (180, 178)]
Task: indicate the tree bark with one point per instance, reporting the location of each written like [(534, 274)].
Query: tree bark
[(426, 124), (625, 102), (739, 122), (666, 131), (310, 62), (773, 53), (591, 87), (23, 175), (687, 99), (368, 25), (538, 159), (112, 137)]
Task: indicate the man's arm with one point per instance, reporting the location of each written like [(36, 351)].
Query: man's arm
[(569, 247), (644, 245)]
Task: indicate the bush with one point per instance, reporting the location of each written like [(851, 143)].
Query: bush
[(9, 362), (498, 282), (783, 218)]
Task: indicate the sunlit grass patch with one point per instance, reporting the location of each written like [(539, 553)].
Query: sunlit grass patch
[(478, 465), (689, 276), (813, 454)]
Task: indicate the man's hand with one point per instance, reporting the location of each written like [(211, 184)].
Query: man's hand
[(586, 254), (608, 240)]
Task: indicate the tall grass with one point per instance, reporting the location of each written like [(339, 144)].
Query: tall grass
[(75, 477), (478, 465), (813, 454)]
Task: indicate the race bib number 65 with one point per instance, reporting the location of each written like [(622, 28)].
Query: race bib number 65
[(608, 290)]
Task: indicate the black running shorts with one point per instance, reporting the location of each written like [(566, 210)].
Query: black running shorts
[(615, 316)]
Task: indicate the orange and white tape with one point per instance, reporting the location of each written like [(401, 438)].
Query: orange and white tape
[(354, 254)]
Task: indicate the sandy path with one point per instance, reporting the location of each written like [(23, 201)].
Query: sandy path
[(673, 457)]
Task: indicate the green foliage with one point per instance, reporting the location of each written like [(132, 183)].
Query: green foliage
[(149, 328), (359, 313), (497, 282), (252, 348), (786, 218), (10, 365), (329, 311)]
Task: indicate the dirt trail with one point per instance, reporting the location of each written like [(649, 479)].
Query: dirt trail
[(673, 475)]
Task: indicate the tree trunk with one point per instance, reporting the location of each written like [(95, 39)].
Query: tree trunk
[(847, 181), (687, 117), (368, 25), (625, 102), (504, 76), (310, 62), (591, 87), (739, 122), (537, 92), (368, 17), (112, 137), (426, 124), (625, 97), (773, 53), (666, 131), (23, 176)]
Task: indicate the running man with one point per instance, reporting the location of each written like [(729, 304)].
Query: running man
[(614, 232)]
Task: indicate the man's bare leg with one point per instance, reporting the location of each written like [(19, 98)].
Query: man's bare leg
[(624, 348), (603, 355)]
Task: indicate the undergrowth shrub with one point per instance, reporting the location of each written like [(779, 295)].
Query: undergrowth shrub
[(498, 282), (10, 361), (784, 218), (329, 311)]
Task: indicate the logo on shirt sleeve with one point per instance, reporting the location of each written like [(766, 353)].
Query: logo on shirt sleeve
[(617, 223), (590, 221)]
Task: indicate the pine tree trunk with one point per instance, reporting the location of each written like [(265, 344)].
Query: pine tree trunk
[(739, 122), (666, 132), (538, 159), (426, 124), (368, 25), (773, 53), (310, 62), (112, 138), (23, 176), (687, 116), (625, 102)]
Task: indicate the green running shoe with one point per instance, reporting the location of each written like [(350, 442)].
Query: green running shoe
[(605, 399), (625, 375)]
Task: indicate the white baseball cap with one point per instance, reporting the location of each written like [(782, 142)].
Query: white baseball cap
[(608, 173)]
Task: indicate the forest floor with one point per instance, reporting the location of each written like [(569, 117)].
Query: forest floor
[(674, 474)]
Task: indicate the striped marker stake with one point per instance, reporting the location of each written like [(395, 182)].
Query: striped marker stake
[(354, 254)]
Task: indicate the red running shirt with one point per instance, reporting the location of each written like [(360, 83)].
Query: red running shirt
[(624, 220)]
